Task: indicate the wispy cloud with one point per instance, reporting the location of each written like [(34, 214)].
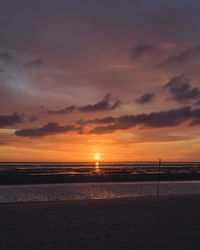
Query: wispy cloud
[(34, 63), (146, 98), (182, 57), (67, 110), (141, 50)]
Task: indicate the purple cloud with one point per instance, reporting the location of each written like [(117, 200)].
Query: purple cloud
[(67, 110), (182, 57), (181, 89), (48, 129), (162, 119), (146, 98), (101, 106), (142, 49), (8, 120)]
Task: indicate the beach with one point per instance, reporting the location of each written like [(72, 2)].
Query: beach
[(168, 222)]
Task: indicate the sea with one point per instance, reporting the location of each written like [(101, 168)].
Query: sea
[(95, 190)]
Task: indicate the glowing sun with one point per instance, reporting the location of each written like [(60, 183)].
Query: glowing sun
[(96, 156)]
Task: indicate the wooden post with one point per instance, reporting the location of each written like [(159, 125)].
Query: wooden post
[(158, 180)]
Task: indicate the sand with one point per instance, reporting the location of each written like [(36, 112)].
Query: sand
[(139, 223)]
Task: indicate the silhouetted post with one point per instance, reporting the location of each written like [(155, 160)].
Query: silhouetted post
[(158, 180)]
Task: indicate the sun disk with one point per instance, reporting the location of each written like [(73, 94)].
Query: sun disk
[(96, 156)]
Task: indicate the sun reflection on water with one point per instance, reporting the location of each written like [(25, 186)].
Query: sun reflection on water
[(97, 170)]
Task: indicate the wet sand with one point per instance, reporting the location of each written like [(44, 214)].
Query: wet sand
[(139, 223), (17, 178)]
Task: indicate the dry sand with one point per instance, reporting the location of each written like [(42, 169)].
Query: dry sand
[(139, 223)]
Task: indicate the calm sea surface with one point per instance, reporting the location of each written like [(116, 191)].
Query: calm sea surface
[(101, 168), (78, 191)]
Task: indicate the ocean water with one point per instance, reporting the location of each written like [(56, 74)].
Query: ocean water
[(80, 191), (97, 168)]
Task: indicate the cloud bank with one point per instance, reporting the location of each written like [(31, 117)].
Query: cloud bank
[(162, 119)]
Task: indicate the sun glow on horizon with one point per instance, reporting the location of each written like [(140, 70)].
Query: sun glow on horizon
[(97, 156)]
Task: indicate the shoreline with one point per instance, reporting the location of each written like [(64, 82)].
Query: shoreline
[(20, 179), (150, 197), (95, 191)]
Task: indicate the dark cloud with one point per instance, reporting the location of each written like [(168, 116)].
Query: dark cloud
[(67, 110), (102, 105), (35, 63), (181, 89), (142, 49), (146, 98), (8, 120), (161, 119), (182, 57), (105, 120), (156, 51), (48, 129)]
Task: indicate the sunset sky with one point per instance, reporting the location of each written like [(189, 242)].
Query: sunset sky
[(117, 78)]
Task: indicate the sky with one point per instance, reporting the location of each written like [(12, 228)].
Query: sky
[(118, 78)]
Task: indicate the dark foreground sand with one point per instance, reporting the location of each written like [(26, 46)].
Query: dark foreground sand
[(140, 223)]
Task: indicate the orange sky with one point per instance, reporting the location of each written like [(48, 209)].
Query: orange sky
[(115, 147)]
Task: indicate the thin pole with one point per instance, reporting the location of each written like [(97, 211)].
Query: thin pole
[(158, 180)]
